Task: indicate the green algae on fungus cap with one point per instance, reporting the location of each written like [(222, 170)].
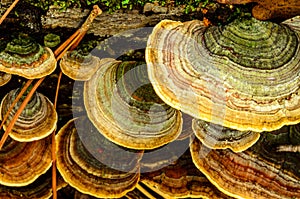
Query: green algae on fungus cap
[(79, 66), (82, 171), (37, 120), (244, 75), (25, 57), (122, 104), (258, 172), (21, 163), (51, 40)]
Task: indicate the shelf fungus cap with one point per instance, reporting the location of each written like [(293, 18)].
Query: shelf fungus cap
[(37, 120), (181, 179), (21, 163), (123, 106), (258, 172), (25, 57), (4, 78), (244, 75), (218, 137), (85, 173), (40, 189), (79, 66), (100, 148)]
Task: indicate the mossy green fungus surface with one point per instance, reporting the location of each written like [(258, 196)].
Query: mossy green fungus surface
[(119, 103), (25, 57), (22, 50), (51, 40), (253, 43), (243, 75)]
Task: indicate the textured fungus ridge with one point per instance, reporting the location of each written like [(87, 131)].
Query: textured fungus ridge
[(85, 173), (181, 180), (23, 162), (123, 106), (244, 75), (218, 137), (79, 66), (24, 57), (39, 189), (37, 120), (259, 172)]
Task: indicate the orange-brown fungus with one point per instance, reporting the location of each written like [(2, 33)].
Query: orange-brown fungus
[(268, 9)]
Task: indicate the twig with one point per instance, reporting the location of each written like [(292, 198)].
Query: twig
[(21, 108), (146, 193), (53, 149), (8, 11), (71, 43), (15, 101)]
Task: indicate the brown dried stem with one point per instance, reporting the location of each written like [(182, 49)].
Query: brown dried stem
[(144, 191), (15, 101), (71, 43), (21, 108), (54, 183), (8, 11)]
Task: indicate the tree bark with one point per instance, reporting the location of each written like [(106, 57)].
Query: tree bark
[(108, 24)]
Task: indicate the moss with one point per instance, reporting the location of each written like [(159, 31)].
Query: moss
[(112, 5), (214, 12)]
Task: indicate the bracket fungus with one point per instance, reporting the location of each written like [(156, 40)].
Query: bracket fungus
[(181, 180), (258, 172), (78, 65), (158, 158), (25, 57), (123, 106), (85, 173), (243, 75), (100, 148), (37, 120), (21, 163), (39, 189), (218, 137), (269, 9), (51, 40)]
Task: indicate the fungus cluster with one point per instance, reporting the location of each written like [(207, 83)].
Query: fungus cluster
[(26, 155), (121, 103), (84, 172), (207, 115), (240, 82)]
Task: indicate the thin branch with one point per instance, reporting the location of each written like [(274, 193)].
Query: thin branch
[(15, 101), (8, 11), (18, 113)]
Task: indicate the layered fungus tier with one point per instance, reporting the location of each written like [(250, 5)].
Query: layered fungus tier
[(122, 104), (178, 110), (244, 75), (25, 57)]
